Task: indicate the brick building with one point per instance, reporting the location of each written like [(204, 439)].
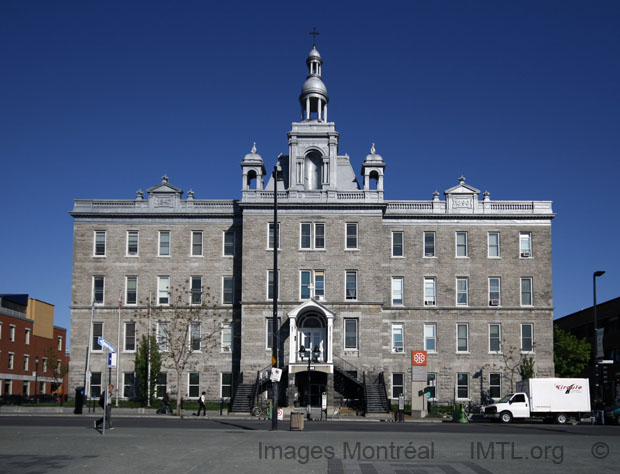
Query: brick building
[(32, 349), (363, 280)]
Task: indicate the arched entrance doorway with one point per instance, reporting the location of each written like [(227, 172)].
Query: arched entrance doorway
[(312, 335)]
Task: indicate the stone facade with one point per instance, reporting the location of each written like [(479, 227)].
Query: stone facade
[(353, 247)]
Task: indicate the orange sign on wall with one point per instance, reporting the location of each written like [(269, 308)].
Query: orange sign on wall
[(418, 357)]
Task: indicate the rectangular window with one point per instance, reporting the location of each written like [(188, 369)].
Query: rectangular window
[(229, 243), (305, 276), (97, 333), (351, 242), (132, 243), (494, 292), (431, 383), (58, 366), (429, 244), (495, 338), (493, 245), (98, 289), (462, 385), (527, 338), (162, 384), (270, 284), (26, 361), (397, 244), (227, 339), (99, 250), (398, 384), (351, 285), (429, 292), (163, 290), (430, 337), (271, 236), (196, 290), (60, 343), (162, 336), (196, 243), (306, 281), (495, 386), (462, 338), (397, 338), (11, 360), (397, 290), (462, 291), (226, 385), (164, 243), (306, 237), (526, 292), (130, 337), (319, 236), (525, 244), (319, 284), (227, 290), (350, 334), (95, 384), (194, 336), (12, 333), (129, 385), (27, 337), (131, 290), (26, 389), (194, 384), (461, 244)]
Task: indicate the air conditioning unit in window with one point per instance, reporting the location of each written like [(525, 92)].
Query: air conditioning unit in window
[(399, 349), (429, 302), (494, 303), (320, 298), (526, 254)]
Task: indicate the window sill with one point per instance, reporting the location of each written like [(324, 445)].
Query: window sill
[(402, 257), (494, 258), (196, 256), (495, 353), (463, 352), (352, 250), (399, 352), (99, 256), (132, 256), (163, 256)]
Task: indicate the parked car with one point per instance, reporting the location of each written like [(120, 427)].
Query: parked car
[(613, 413), (14, 400)]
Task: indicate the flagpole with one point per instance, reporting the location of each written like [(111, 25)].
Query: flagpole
[(118, 343), (148, 360)]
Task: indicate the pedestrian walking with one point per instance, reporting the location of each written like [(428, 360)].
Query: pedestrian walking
[(202, 404), (105, 402)]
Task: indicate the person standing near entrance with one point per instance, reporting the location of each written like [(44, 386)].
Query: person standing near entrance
[(105, 402), (202, 401)]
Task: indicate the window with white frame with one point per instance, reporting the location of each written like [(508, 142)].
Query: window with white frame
[(429, 244), (26, 361), (493, 251), (495, 385), (398, 384), (229, 243), (429, 292), (306, 235), (98, 289), (430, 337), (525, 244), (164, 243), (270, 284), (227, 290), (527, 338), (462, 338), (59, 343), (27, 337), (462, 291), (271, 236), (12, 333), (226, 338), (431, 383), (196, 243), (397, 290), (461, 244), (99, 244), (398, 244), (351, 237), (226, 385), (195, 283), (350, 334), (462, 386), (319, 236), (398, 338), (162, 384), (312, 235), (58, 366), (162, 336), (494, 291), (130, 337), (129, 385), (163, 290), (269, 332), (97, 333), (194, 336), (11, 360), (526, 292), (495, 338), (314, 278), (95, 384), (26, 389), (131, 290), (193, 384), (351, 285), (132, 243)]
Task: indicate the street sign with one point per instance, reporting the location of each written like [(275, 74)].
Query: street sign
[(103, 343), (276, 374), (606, 361), (112, 360), (418, 357)]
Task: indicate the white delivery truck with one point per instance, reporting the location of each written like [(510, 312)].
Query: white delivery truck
[(553, 399)]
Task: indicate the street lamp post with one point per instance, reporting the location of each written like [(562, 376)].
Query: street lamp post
[(36, 379), (311, 356), (277, 174), (598, 353)]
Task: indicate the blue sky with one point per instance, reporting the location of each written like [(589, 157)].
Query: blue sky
[(98, 99)]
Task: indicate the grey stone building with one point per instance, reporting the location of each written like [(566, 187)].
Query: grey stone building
[(363, 280)]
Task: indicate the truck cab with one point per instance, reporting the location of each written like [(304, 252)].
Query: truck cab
[(513, 405)]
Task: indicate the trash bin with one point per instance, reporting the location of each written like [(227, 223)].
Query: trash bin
[(297, 421), (79, 400)]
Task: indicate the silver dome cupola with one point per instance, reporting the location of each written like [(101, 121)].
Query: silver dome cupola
[(313, 97)]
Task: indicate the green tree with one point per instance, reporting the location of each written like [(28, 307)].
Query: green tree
[(570, 354), (147, 349), (526, 369)]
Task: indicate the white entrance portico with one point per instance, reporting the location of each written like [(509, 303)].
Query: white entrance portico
[(312, 326)]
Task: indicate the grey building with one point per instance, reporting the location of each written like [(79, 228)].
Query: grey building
[(363, 280)]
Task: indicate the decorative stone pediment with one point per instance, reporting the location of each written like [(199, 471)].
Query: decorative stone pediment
[(308, 305), (164, 188), (164, 195), (462, 188)]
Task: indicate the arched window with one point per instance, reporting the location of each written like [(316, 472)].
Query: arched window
[(252, 180), (312, 170), (373, 180)]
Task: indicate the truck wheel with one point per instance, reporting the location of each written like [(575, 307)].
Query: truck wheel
[(561, 418), (505, 417)]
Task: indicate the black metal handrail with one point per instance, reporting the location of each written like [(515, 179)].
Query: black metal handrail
[(365, 394), (382, 383)]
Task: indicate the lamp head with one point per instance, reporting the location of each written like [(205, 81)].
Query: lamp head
[(599, 273)]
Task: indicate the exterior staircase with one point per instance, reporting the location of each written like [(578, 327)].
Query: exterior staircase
[(376, 398), (243, 401), (371, 397)]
